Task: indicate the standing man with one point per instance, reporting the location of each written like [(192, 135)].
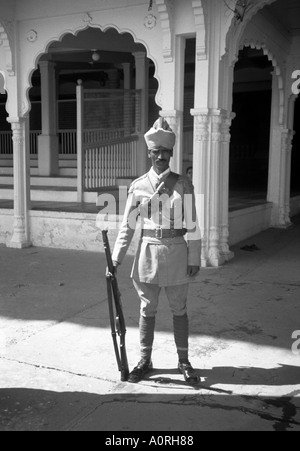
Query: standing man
[(165, 202)]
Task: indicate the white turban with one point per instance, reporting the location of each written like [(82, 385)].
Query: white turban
[(160, 135)]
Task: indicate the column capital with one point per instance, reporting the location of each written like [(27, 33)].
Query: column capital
[(201, 124), (199, 111), (16, 121), (287, 136), (175, 114), (17, 127), (47, 63), (139, 55)]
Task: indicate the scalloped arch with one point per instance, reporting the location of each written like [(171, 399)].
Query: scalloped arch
[(262, 46), (75, 32), (234, 34)]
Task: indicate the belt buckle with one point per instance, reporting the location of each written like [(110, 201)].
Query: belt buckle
[(159, 233)]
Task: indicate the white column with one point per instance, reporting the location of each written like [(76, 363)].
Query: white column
[(289, 149), (21, 233), (224, 186), (214, 150), (280, 150), (48, 145), (127, 75), (177, 161), (142, 84), (201, 177), (211, 168), (211, 145), (285, 186), (127, 99), (79, 142)]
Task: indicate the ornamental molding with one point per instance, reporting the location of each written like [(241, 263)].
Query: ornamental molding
[(87, 18), (201, 52), (150, 21), (32, 36), (165, 10)]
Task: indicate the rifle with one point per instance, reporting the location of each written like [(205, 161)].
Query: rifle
[(117, 320)]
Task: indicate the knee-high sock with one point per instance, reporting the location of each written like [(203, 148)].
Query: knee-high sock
[(181, 335), (147, 327)]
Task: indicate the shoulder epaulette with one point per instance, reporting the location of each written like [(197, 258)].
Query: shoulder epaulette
[(142, 177)]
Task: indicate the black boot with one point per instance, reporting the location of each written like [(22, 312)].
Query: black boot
[(140, 371), (188, 372)]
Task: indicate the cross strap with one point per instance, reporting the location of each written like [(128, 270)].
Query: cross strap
[(171, 181)]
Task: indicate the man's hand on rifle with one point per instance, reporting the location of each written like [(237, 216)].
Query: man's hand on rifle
[(115, 265)]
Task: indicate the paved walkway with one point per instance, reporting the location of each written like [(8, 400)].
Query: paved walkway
[(58, 369)]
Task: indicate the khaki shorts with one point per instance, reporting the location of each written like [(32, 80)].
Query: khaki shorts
[(149, 296)]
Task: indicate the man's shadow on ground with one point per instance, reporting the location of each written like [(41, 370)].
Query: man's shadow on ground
[(282, 375)]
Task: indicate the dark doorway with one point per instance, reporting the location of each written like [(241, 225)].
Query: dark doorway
[(295, 179), (250, 132)]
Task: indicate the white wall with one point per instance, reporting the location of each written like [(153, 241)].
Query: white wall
[(6, 225)]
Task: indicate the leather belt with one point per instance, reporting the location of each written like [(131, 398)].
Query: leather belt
[(161, 234)]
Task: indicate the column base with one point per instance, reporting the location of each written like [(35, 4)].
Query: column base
[(213, 262), (284, 226), (280, 218), (18, 245), (228, 255)]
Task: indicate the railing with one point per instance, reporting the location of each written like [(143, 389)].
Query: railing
[(105, 162), (102, 134), (33, 139), (6, 144), (67, 142)]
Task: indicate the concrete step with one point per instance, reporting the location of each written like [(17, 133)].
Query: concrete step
[(68, 172), (43, 181), (63, 172), (6, 171), (8, 163), (68, 163), (49, 194)]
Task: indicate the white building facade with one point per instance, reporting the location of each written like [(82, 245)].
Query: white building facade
[(159, 32)]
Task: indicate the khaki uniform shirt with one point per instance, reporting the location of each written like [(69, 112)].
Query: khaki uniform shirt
[(163, 262)]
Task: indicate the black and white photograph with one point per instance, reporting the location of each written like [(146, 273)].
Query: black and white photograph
[(149, 218)]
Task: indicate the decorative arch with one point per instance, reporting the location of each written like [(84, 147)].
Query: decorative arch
[(86, 22), (6, 47), (235, 41), (235, 31)]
